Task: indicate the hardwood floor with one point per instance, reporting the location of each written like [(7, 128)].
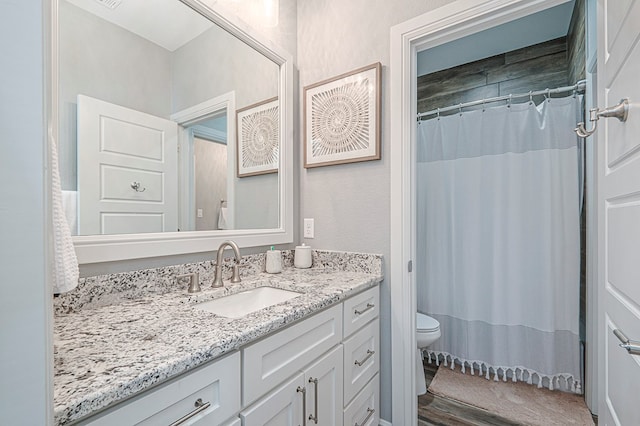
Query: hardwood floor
[(436, 411)]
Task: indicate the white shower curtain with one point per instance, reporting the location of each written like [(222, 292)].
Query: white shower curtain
[(498, 240)]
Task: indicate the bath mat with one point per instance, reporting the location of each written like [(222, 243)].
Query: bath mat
[(518, 402)]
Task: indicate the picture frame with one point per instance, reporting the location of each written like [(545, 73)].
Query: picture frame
[(258, 138), (342, 118)]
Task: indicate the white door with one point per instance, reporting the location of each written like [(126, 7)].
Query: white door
[(127, 170), (323, 380), (281, 407), (618, 164)]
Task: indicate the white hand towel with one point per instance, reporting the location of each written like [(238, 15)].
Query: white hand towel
[(70, 206), (222, 218), (65, 262)]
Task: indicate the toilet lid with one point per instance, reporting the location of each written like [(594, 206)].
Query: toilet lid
[(426, 323)]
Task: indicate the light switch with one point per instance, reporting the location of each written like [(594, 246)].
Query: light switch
[(308, 228), (199, 213)]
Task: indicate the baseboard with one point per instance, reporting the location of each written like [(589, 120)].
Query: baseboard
[(384, 423)]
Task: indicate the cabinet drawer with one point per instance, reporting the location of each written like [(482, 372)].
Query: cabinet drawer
[(365, 407), (216, 384), (272, 360), (360, 309), (361, 358)]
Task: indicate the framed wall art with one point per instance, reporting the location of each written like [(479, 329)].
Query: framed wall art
[(342, 118), (258, 138)]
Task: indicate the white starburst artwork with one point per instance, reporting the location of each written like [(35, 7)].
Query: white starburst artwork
[(342, 119), (258, 138)]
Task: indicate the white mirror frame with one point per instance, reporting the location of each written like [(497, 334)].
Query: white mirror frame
[(108, 248)]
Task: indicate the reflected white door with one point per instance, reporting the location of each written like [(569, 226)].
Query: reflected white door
[(127, 170), (619, 211)]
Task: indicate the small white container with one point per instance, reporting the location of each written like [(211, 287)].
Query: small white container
[(273, 262), (302, 257)]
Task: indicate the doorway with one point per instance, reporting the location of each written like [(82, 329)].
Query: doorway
[(447, 24)]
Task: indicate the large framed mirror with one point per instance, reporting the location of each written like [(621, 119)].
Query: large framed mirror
[(174, 126)]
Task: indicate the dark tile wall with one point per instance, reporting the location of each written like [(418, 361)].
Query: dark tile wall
[(536, 67)]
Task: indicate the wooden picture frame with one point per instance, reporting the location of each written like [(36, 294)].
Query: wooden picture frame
[(342, 118), (258, 138)]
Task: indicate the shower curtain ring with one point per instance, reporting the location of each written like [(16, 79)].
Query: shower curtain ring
[(483, 104), (438, 112), (460, 108), (530, 97), (547, 94), (509, 101)]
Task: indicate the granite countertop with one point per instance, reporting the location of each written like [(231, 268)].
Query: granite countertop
[(106, 354)]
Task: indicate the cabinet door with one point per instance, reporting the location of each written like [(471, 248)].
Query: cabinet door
[(272, 360), (323, 380), (282, 407)]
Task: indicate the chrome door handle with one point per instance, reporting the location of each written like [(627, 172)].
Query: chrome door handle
[(314, 417), (303, 390), (369, 355), (200, 406), (370, 412), (631, 346)]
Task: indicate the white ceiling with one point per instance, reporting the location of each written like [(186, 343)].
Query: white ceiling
[(537, 28), (167, 23)]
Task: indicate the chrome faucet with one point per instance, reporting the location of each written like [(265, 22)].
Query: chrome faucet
[(235, 278)]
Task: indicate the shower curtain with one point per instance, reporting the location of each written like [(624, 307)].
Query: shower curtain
[(498, 241)]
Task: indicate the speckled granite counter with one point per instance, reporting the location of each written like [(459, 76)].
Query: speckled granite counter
[(107, 352)]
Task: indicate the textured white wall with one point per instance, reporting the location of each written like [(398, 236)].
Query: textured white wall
[(350, 203), (211, 181), (215, 63)]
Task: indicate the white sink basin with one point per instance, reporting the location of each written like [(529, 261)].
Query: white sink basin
[(240, 304)]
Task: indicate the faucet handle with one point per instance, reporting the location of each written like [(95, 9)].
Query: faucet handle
[(235, 277), (194, 281)]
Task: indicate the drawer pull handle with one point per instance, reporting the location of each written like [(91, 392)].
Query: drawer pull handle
[(369, 355), (370, 412), (369, 307), (200, 406), (303, 390), (315, 403)]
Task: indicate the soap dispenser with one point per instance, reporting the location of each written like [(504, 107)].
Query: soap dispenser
[(273, 262)]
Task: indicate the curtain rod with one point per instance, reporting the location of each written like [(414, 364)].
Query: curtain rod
[(580, 86)]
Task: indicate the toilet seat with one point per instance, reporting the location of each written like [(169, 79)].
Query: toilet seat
[(426, 323)]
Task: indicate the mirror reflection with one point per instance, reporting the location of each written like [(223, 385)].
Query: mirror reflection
[(150, 94)]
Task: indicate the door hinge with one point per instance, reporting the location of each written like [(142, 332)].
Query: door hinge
[(410, 266)]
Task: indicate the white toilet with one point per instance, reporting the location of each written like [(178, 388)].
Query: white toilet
[(427, 332)]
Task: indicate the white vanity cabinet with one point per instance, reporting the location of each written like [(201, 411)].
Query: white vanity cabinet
[(334, 359), (208, 395)]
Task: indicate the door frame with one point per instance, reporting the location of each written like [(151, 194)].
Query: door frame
[(209, 108), (450, 22)]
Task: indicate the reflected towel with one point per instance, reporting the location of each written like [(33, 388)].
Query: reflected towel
[(222, 218), (70, 207), (65, 262)]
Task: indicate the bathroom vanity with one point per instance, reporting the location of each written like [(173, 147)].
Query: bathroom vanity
[(161, 359)]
